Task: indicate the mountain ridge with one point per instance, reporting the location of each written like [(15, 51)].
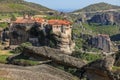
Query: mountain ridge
[(97, 7), (20, 6)]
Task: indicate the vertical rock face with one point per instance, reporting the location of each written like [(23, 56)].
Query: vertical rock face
[(102, 42), (100, 69), (106, 18), (18, 35), (66, 43)]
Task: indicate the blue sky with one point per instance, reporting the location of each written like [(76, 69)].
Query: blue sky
[(71, 4)]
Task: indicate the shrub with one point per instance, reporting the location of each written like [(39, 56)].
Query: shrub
[(20, 48), (87, 56)]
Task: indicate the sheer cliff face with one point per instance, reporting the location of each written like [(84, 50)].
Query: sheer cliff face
[(66, 44), (106, 18), (102, 42)]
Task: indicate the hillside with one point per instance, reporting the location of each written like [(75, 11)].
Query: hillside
[(98, 7), (20, 6)]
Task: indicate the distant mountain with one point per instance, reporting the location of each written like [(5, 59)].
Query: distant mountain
[(101, 13), (20, 5), (98, 7)]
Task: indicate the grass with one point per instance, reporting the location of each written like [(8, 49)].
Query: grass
[(103, 29), (3, 58), (115, 68), (95, 28), (26, 62), (98, 7), (8, 15), (4, 54), (12, 6), (2, 78), (3, 25)]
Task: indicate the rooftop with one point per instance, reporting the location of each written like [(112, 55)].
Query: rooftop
[(58, 22), (42, 20)]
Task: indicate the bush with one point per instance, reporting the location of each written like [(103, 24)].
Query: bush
[(20, 48), (87, 56)]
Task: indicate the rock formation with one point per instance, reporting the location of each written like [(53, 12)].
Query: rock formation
[(40, 72), (52, 54), (106, 18), (65, 43), (101, 69), (102, 42), (40, 32)]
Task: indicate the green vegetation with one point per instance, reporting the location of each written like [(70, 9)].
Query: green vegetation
[(87, 56), (3, 25), (3, 78), (79, 43), (4, 55), (3, 58), (98, 7), (115, 68), (95, 28), (8, 15), (26, 62), (20, 48), (13, 18), (103, 29), (83, 34), (53, 17), (19, 6)]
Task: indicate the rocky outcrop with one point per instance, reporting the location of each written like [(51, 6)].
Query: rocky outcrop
[(106, 18), (102, 42), (49, 53), (117, 59), (66, 44), (100, 69), (43, 35), (40, 72), (54, 55)]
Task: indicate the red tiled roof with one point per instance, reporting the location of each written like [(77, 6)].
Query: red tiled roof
[(29, 20), (59, 22), (39, 20), (22, 20)]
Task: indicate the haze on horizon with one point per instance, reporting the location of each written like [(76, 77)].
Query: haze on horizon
[(67, 5)]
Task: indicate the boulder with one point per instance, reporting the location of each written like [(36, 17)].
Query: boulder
[(100, 69), (40, 72), (103, 42)]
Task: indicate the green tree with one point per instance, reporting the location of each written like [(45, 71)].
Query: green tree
[(13, 18)]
